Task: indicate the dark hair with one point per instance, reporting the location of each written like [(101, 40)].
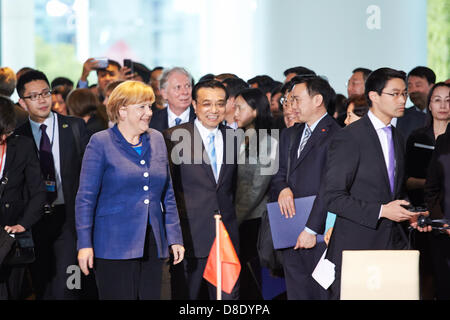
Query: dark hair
[(234, 86), (207, 77), (8, 81), (111, 62), (258, 101), (142, 71), (7, 115), (361, 107), (317, 85), (423, 72), (364, 71), (223, 76), (264, 83), (29, 76), (211, 84), (341, 103), (377, 81), (298, 71), (430, 120), (62, 81), (157, 68), (82, 102), (62, 90)]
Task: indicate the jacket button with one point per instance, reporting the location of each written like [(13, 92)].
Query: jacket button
[(146, 175), (145, 188), (7, 205), (142, 162), (146, 201)]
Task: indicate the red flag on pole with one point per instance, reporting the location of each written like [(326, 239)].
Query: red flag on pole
[(230, 265)]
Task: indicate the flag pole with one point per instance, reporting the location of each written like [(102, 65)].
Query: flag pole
[(218, 260)]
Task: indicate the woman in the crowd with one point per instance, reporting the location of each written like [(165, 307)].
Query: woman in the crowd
[(124, 185), (357, 108), (419, 151), (59, 96), (84, 104), (420, 144), (22, 192), (257, 154)]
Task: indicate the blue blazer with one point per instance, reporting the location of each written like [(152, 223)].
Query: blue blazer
[(121, 192)]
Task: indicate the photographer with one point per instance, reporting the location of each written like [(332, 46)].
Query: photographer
[(22, 192)]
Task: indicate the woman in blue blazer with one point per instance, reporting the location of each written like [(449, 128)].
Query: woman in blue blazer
[(126, 214)]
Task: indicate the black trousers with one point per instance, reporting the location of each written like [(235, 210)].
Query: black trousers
[(188, 282), (11, 280), (134, 279), (55, 249), (440, 252), (298, 266)]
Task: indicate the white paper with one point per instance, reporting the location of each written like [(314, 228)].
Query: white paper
[(324, 273)]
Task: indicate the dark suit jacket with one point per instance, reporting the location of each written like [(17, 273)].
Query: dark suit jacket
[(411, 120), (71, 157), (198, 195), (306, 172), (437, 187), (23, 197), (160, 119), (357, 184)]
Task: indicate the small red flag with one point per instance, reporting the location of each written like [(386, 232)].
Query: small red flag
[(231, 267)]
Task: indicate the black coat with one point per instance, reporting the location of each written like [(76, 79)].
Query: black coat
[(198, 195), (357, 184), (23, 197), (71, 155)]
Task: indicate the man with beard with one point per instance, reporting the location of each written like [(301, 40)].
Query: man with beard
[(420, 80)]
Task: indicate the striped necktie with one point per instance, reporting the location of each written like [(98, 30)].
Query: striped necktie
[(212, 153), (305, 140)]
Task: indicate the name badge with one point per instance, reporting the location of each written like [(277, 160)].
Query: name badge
[(50, 186)]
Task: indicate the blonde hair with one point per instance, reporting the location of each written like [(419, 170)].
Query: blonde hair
[(128, 93)]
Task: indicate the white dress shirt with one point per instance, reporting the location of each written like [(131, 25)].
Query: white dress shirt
[(53, 134), (172, 116), (218, 142)]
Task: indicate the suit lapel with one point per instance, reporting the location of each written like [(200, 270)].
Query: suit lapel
[(378, 154), (224, 167), (399, 160), (11, 149), (64, 142)]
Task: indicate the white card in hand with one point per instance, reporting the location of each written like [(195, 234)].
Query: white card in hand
[(324, 273)]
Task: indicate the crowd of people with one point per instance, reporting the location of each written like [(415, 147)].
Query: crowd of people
[(123, 178)]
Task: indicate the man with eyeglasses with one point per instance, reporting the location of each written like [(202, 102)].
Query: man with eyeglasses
[(365, 175), (204, 183), (60, 142), (176, 89), (420, 80)]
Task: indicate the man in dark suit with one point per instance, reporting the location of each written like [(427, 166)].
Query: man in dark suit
[(311, 96), (60, 142), (176, 89), (204, 182), (420, 80), (365, 175)]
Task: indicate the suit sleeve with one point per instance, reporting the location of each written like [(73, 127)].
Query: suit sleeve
[(90, 182), (433, 184), (172, 219), (278, 182), (34, 185), (342, 165)]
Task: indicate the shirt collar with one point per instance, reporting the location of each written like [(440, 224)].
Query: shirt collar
[(184, 116), (377, 123), (48, 122), (205, 132), (314, 125)]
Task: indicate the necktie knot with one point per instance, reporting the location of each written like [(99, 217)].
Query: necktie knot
[(177, 121), (388, 130), (43, 127)]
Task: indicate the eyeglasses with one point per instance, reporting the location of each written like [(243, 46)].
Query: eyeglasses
[(396, 95), (36, 96)]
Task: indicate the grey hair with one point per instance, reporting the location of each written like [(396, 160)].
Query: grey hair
[(168, 72)]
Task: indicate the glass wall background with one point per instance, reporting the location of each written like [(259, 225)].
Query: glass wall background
[(246, 37)]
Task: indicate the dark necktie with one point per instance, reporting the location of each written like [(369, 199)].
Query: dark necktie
[(47, 165)]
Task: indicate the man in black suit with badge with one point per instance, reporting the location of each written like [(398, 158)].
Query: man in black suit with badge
[(306, 145), (365, 175), (60, 142)]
